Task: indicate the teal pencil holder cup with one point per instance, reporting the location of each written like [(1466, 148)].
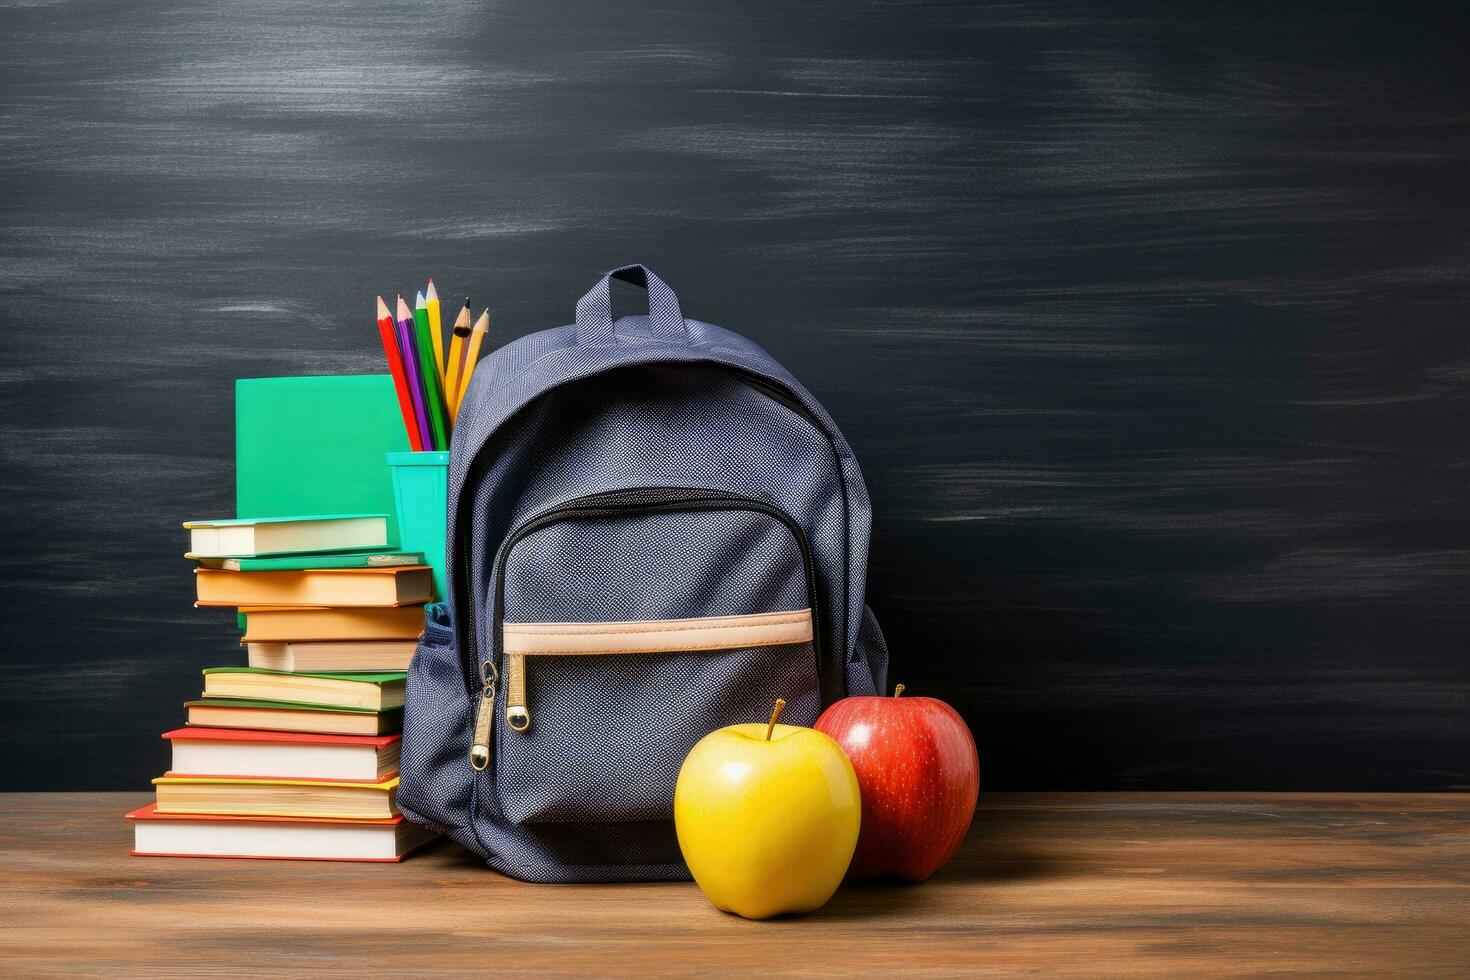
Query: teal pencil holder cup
[(421, 494)]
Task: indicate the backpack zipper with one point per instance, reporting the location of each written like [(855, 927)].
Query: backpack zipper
[(776, 393), (669, 636), (647, 500), (484, 718)]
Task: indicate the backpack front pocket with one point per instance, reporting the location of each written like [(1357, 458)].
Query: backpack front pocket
[(629, 626)]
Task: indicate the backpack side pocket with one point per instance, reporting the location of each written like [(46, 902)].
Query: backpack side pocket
[(867, 671), (435, 773)]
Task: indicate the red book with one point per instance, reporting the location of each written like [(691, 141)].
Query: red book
[(284, 755), (275, 838)]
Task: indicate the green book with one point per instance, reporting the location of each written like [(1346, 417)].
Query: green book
[(292, 716), (317, 445), (372, 692), (295, 563)]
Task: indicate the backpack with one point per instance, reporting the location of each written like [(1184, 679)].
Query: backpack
[(653, 531)]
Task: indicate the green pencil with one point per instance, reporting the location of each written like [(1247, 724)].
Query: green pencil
[(433, 391)]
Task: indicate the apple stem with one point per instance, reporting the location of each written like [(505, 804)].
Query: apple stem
[(775, 713), (898, 691)]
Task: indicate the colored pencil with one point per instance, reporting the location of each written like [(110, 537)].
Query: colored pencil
[(456, 357), (433, 398), (400, 380), (411, 368), (472, 357), (436, 329)]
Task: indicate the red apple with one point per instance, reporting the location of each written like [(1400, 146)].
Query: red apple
[(919, 775)]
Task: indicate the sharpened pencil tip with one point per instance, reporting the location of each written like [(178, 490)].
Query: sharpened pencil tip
[(382, 308), (466, 302), (403, 313), (432, 294), (418, 301)]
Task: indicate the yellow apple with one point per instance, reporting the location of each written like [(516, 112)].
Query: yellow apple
[(767, 817)]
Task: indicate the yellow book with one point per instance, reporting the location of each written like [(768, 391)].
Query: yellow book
[(374, 692), (277, 797), (252, 536)]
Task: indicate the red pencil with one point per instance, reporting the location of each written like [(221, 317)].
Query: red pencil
[(400, 380)]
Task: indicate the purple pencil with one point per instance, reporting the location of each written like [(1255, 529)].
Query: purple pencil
[(414, 370)]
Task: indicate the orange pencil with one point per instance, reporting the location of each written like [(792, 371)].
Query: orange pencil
[(400, 380), (455, 357), (472, 357)]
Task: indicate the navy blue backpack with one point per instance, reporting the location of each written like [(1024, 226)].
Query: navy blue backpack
[(654, 531)]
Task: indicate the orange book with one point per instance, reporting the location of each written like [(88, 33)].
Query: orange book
[(292, 623), (344, 655), (399, 586), (286, 716)]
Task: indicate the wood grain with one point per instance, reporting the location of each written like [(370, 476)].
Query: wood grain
[(1080, 884), (1146, 321)]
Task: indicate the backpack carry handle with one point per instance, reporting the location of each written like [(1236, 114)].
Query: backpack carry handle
[(594, 311)]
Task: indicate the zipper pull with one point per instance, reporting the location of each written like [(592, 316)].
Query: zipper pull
[(517, 715), (484, 718)]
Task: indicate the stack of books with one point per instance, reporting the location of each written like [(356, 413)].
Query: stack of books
[(296, 754)]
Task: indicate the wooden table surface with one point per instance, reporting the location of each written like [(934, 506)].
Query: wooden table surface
[(1067, 883)]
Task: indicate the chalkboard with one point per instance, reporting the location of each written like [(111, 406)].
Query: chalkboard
[(1147, 322)]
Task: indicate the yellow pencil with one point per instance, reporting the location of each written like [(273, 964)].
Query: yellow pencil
[(472, 357), (460, 331), (436, 329)]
